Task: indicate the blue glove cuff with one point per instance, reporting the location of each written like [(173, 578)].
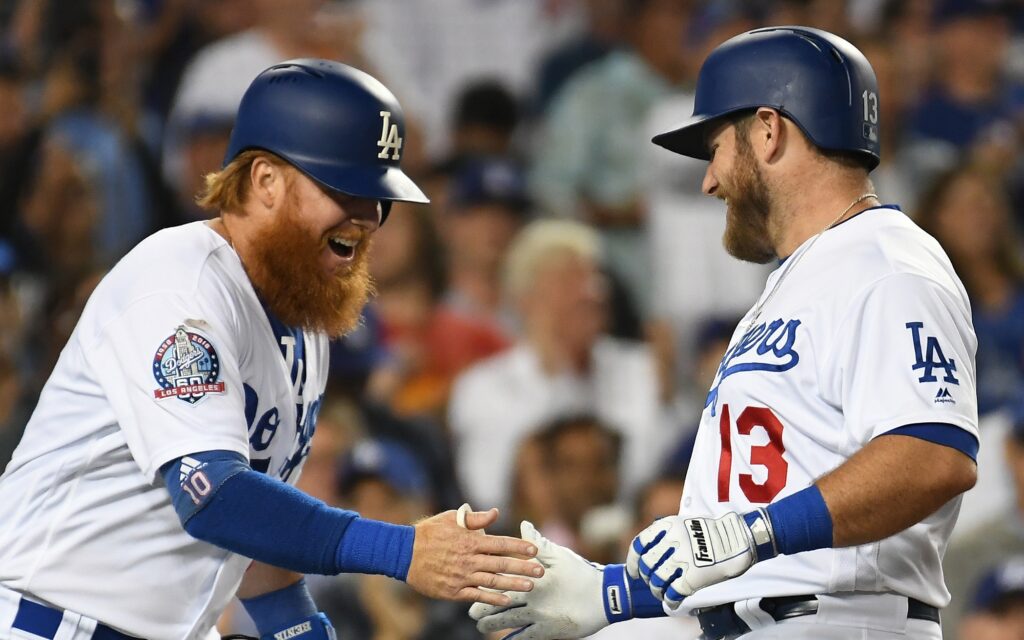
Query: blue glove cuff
[(625, 598), (615, 594), (315, 627)]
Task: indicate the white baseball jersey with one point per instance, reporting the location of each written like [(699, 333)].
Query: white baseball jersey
[(868, 329), (174, 354)]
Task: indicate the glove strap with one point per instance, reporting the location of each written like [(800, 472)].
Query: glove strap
[(625, 598), (762, 535), (615, 594)]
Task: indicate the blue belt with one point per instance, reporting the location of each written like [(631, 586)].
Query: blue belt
[(44, 621), (722, 621)]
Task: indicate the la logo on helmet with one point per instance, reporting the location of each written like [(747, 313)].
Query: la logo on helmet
[(389, 141)]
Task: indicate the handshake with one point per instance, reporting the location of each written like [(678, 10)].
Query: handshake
[(667, 561)]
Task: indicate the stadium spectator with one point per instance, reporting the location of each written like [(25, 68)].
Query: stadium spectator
[(967, 209), (986, 543), (997, 606), (564, 364), (488, 204), (587, 157)]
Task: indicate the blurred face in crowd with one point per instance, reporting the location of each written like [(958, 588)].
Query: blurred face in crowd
[(568, 300), (309, 257), (61, 211), (479, 235), (658, 34), (659, 500), (1006, 623), (979, 42), (734, 177), (970, 217), (374, 498), (583, 463)]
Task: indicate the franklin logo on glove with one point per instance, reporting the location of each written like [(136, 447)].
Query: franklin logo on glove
[(702, 556)]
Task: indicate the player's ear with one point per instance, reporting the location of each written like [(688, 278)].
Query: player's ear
[(767, 134), (266, 181)]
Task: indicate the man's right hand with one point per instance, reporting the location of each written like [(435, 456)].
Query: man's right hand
[(450, 562), (569, 601)]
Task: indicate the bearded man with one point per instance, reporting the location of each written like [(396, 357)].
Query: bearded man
[(153, 481)]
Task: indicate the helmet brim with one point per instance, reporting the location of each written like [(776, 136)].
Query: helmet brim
[(690, 137), (373, 182)]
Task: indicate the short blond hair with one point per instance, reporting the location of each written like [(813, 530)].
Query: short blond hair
[(227, 189), (539, 242)]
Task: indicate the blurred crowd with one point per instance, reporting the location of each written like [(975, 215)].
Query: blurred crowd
[(544, 332)]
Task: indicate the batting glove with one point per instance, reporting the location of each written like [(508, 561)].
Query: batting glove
[(575, 598), (676, 556)]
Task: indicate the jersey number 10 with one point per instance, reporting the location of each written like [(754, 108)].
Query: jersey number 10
[(767, 455)]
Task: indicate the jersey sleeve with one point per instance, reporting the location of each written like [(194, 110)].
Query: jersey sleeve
[(904, 355), (169, 366)]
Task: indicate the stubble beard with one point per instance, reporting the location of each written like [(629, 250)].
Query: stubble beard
[(291, 282), (747, 232)]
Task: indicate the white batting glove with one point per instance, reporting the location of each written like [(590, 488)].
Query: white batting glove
[(567, 602), (676, 556)]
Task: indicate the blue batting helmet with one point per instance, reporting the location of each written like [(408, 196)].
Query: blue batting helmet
[(816, 79), (338, 125)]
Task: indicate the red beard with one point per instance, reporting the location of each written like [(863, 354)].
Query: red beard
[(286, 272)]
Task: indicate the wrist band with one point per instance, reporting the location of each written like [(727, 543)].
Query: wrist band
[(801, 522), (278, 608), (369, 546)]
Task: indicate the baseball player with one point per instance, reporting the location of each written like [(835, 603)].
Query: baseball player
[(841, 427), (153, 481)]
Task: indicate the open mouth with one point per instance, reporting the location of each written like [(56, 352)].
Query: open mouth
[(343, 247)]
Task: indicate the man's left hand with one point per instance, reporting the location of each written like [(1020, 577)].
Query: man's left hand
[(676, 556)]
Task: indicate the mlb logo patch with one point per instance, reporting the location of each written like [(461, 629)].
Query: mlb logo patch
[(186, 367)]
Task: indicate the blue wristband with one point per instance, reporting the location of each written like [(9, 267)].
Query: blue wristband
[(625, 598), (280, 608), (369, 546), (801, 522)]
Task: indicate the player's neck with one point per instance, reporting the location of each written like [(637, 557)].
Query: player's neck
[(813, 206)]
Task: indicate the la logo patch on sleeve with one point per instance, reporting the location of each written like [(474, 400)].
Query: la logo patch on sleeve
[(186, 367)]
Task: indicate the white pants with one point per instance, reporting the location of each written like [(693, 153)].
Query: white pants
[(874, 616), (72, 625)]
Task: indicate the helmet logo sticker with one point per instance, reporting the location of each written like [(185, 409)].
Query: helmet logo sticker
[(389, 141)]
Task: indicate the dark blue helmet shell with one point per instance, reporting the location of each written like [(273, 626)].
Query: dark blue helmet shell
[(338, 125), (816, 79)]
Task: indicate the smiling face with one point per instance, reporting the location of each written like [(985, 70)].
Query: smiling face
[(308, 258), (734, 177)]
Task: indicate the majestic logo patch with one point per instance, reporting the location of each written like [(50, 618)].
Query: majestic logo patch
[(186, 367), (944, 396)]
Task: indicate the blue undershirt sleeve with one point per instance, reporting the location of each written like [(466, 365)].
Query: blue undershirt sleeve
[(246, 512), (948, 435)]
